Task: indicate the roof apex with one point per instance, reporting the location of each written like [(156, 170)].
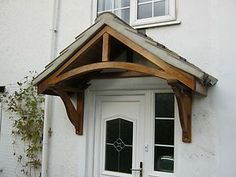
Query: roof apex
[(141, 39)]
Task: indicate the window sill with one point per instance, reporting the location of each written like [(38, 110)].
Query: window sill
[(169, 23), (161, 174)]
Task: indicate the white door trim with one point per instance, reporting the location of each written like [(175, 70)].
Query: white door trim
[(142, 86), (138, 123), (90, 121)]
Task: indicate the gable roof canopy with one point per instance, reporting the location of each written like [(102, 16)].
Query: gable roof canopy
[(112, 49)]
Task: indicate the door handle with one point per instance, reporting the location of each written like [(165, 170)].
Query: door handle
[(140, 169)]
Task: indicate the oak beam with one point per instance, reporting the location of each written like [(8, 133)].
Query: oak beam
[(75, 115), (111, 65), (80, 111), (105, 48), (115, 75), (184, 100)]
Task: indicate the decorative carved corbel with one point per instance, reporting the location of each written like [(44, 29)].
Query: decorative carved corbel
[(184, 100), (75, 115)]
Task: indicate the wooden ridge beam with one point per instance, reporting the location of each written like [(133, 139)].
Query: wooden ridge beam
[(84, 49), (184, 100)]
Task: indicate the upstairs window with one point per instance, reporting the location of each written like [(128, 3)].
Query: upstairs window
[(121, 8), (140, 13)]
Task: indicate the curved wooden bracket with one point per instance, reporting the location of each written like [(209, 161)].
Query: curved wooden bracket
[(184, 100), (75, 115)]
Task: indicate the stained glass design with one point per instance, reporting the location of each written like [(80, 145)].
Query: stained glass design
[(119, 145)]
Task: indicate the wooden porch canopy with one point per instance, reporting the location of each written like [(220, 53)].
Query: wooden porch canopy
[(112, 49)]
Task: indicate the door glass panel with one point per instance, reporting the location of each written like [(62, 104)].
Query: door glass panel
[(127, 133), (164, 159), (126, 159), (164, 105), (119, 145), (111, 156), (164, 132), (112, 131)]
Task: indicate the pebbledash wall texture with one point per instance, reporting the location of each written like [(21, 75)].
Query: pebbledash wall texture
[(206, 37)]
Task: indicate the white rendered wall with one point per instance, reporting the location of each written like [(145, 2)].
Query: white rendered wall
[(66, 156), (206, 37), (24, 46)]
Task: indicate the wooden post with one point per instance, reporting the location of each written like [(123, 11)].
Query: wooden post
[(105, 48), (80, 111)]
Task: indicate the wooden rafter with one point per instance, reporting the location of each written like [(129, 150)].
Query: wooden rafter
[(183, 77), (83, 49)]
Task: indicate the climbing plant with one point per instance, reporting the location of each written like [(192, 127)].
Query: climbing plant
[(25, 108)]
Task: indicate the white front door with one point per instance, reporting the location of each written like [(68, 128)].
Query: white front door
[(119, 131)]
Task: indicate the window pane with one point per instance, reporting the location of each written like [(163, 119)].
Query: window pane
[(119, 141), (104, 5), (140, 1), (145, 11), (164, 132), (160, 8), (123, 14), (164, 159), (122, 3), (164, 105)]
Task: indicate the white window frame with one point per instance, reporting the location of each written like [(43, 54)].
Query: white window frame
[(169, 19), (151, 138), (152, 21)]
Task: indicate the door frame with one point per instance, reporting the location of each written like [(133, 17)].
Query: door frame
[(100, 131), (143, 86)]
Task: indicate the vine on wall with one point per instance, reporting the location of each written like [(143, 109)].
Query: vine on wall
[(25, 108)]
